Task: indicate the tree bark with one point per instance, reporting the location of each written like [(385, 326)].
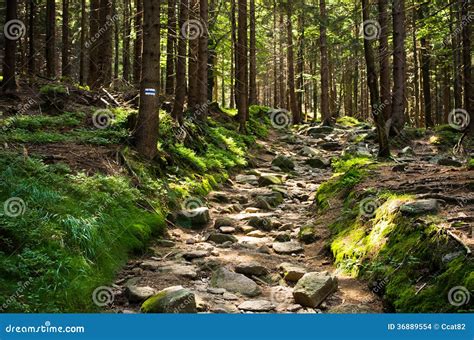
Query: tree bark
[(193, 59), (32, 38), (291, 66), (399, 66), (384, 60), (203, 59), (170, 48), (242, 65), (425, 72), (181, 66), (253, 57), (51, 39), (82, 53), (127, 24), (138, 43), (326, 115), (146, 131), (65, 65), (467, 67), (9, 84)]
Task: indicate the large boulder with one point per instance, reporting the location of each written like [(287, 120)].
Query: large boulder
[(250, 269), (136, 294), (284, 163), (427, 206), (234, 282), (318, 163), (292, 272), (194, 217), (313, 288), (172, 300)]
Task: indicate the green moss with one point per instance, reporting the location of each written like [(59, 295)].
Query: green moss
[(53, 89), (470, 164), (348, 121)]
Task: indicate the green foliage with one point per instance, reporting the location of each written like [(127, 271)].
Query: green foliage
[(51, 89), (348, 121)]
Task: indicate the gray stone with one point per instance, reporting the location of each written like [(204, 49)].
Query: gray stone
[(136, 294), (250, 269), (282, 237), (227, 308), (307, 234), (179, 270), (318, 163), (449, 162), (313, 288), (227, 230), (194, 217), (219, 197), (172, 300), (292, 272), (229, 296), (165, 243), (222, 238), (287, 247), (234, 282), (407, 151), (271, 200), (309, 152), (262, 223), (249, 179), (257, 306), (196, 254), (426, 206), (216, 291), (351, 309), (331, 146), (320, 130), (268, 179), (284, 163), (150, 265), (223, 222)]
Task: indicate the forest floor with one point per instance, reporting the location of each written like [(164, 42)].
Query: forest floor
[(257, 222)]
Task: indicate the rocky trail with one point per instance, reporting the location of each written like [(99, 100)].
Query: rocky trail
[(249, 249), (253, 248)]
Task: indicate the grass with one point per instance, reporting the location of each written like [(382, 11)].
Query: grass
[(78, 230)]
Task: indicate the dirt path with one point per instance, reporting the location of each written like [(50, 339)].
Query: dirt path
[(251, 219)]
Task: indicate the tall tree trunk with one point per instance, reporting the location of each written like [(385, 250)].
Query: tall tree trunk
[(253, 57), (51, 38), (181, 65), (233, 67), (193, 59), (82, 53), (116, 40), (203, 58), (416, 81), (170, 47), (66, 67), (126, 40), (92, 44), (425, 71), (384, 59), (242, 65), (467, 67), (300, 59), (399, 66), (275, 60), (384, 147), (138, 43), (146, 131), (9, 84), (291, 66), (32, 38), (281, 62), (326, 115), (456, 43)]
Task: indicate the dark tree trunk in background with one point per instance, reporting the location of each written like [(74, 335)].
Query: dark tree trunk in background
[(300, 59), (9, 61), (193, 58), (399, 66), (66, 67), (291, 66), (253, 57), (326, 115), (372, 82), (242, 65), (181, 66), (425, 72), (32, 38), (170, 47), (92, 43), (51, 38), (203, 59), (105, 46), (146, 131), (138, 43), (233, 68), (456, 48), (82, 53), (116, 41), (384, 59), (416, 77), (126, 40), (467, 67)]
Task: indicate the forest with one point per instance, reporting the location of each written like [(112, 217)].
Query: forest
[(236, 156)]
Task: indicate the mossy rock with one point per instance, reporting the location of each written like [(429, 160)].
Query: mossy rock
[(307, 234), (173, 300), (266, 180), (284, 163)]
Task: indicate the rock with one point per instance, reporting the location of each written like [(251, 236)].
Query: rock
[(284, 163), (150, 265), (282, 237), (225, 309), (229, 296), (223, 222), (307, 234), (180, 270), (400, 167), (292, 272), (251, 268), (418, 207), (331, 146), (219, 197), (271, 200), (227, 230), (234, 282), (264, 249), (256, 306), (222, 238), (196, 254), (313, 288), (194, 217), (351, 309), (201, 304), (407, 151), (257, 233), (172, 300), (216, 291), (247, 229), (287, 247), (267, 179), (248, 179), (320, 130), (309, 152), (165, 243), (136, 294), (318, 163), (449, 162), (262, 223)]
